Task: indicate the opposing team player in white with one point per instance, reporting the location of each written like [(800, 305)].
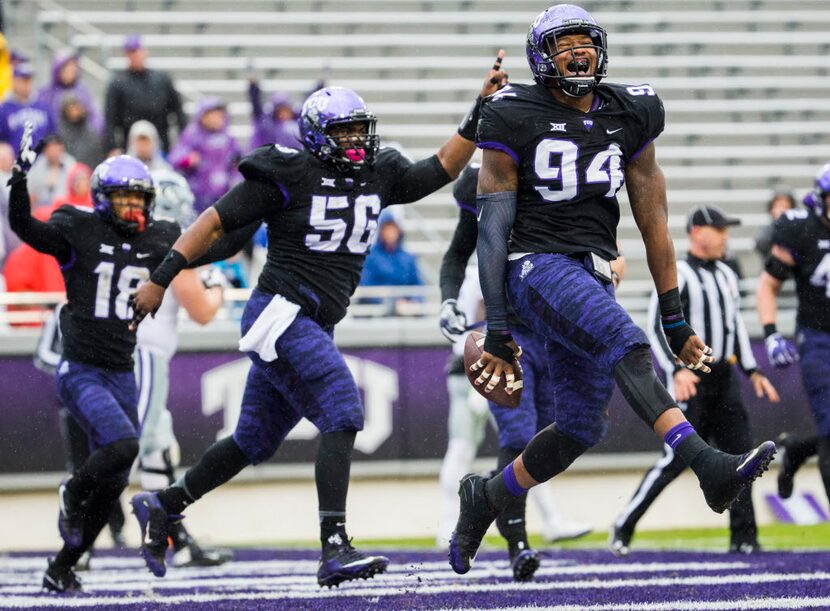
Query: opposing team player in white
[(200, 294)]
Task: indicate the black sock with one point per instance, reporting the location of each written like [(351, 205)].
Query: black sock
[(802, 449), (695, 452), (220, 463), (331, 472), (96, 511), (511, 520)]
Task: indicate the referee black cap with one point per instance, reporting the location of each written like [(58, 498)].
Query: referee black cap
[(711, 216)]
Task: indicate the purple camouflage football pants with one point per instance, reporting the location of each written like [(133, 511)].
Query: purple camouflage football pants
[(586, 331), (104, 402), (309, 379)]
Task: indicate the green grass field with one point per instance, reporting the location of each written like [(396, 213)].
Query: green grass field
[(773, 537)]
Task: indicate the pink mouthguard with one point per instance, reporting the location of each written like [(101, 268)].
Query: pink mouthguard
[(356, 155)]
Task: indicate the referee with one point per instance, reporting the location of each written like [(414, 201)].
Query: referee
[(712, 402)]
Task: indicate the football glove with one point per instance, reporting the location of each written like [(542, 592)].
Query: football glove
[(453, 321), (212, 276), (27, 153), (780, 352)]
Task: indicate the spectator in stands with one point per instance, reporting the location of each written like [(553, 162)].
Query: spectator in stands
[(66, 80), (26, 269), (21, 105), (143, 143), (49, 173), (782, 200), (207, 154), (5, 66), (389, 264), (82, 141), (276, 123), (8, 239), (140, 93)]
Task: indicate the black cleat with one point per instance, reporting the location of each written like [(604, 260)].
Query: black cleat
[(786, 472), (619, 541), (744, 547), (342, 562), (61, 580), (155, 528), (474, 519), (193, 554), (524, 563), (727, 475)]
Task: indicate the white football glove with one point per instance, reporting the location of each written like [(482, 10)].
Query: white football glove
[(27, 154), (453, 321)]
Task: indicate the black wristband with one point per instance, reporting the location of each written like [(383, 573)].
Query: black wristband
[(670, 304), (496, 344), (678, 336), (769, 330), (469, 125), (172, 264)]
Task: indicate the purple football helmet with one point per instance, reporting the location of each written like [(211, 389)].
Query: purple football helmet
[(122, 173), (816, 200), (332, 106), (561, 20)]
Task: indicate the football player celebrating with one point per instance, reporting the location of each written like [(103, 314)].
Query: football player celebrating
[(321, 205), (801, 248), (104, 253), (555, 155), (516, 425)]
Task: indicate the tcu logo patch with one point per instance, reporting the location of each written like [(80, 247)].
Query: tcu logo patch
[(527, 267)]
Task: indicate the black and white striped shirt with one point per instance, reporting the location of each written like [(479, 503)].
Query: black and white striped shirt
[(710, 293)]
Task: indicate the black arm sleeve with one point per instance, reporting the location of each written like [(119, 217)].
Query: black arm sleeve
[(41, 236), (419, 180), (227, 246), (251, 201), (497, 214), (461, 248)]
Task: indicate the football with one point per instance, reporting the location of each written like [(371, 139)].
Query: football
[(473, 349)]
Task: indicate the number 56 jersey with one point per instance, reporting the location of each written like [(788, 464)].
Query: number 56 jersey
[(570, 163), (103, 271)]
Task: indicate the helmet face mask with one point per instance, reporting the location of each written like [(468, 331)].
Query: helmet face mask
[(543, 50), (120, 174), (325, 122)]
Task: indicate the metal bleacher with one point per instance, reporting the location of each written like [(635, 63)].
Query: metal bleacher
[(744, 82)]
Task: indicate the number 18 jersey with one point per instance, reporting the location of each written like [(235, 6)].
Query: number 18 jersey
[(104, 270), (570, 163)]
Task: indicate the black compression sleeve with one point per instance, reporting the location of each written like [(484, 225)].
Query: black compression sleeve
[(419, 180), (248, 202), (461, 248), (37, 234), (227, 246), (497, 212)]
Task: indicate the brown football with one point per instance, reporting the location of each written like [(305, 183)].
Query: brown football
[(473, 349)]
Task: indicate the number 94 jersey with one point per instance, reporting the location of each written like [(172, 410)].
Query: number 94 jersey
[(104, 270), (571, 164)]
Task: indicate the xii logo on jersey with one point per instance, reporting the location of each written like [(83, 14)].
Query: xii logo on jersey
[(106, 249), (558, 127)]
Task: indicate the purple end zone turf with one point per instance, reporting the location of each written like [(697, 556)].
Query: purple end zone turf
[(286, 579)]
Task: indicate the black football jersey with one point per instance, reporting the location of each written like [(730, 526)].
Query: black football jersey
[(104, 269), (321, 222), (803, 234), (571, 164)]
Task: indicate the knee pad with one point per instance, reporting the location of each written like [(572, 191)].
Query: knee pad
[(550, 452), (122, 454), (645, 394)]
